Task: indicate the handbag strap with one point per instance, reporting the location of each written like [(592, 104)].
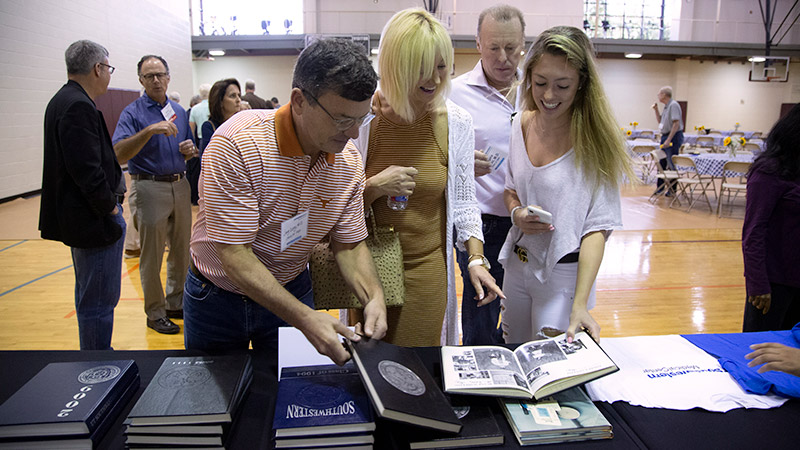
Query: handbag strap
[(372, 222)]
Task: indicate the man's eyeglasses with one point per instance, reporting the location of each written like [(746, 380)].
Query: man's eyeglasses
[(343, 124), (111, 69), (152, 76)]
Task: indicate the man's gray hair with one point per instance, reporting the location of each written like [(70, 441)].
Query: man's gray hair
[(81, 56), (666, 90), (249, 85), (204, 89), (502, 13)]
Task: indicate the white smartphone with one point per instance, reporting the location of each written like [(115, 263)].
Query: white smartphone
[(544, 216)]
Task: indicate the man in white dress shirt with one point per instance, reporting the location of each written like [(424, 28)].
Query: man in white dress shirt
[(489, 93)]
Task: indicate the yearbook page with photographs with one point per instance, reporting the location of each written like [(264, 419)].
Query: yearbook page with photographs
[(533, 370)]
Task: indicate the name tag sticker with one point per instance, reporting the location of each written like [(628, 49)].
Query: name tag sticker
[(496, 157), (169, 113), (294, 229)]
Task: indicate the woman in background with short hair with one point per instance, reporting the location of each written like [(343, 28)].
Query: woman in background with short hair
[(224, 100)]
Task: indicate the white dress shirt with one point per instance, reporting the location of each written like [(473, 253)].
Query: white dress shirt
[(491, 116)]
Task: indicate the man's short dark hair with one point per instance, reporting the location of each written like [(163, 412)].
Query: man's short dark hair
[(81, 56), (146, 57), (336, 65)]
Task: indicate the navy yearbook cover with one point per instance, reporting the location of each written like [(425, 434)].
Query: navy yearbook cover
[(67, 399), (321, 400), (193, 389)]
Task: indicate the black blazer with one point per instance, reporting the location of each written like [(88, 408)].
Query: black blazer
[(81, 173)]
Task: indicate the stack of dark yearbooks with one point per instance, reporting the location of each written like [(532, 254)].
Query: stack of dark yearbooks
[(322, 406), (413, 408), (67, 405), (191, 402)]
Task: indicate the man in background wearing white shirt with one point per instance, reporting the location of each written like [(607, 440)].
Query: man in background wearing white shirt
[(489, 93)]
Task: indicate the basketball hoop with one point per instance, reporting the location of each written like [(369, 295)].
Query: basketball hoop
[(769, 69)]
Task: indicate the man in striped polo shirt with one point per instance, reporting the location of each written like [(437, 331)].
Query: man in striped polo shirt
[(273, 184)]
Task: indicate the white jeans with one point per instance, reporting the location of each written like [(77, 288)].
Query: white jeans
[(531, 305)]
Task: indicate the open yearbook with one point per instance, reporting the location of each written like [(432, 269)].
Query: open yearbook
[(535, 369)]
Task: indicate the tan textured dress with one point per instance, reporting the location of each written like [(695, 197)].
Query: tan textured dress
[(422, 145)]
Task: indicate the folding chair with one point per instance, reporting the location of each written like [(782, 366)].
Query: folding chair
[(737, 133), (755, 135), (705, 141), (643, 159), (734, 184), (689, 181), (751, 147), (670, 177)]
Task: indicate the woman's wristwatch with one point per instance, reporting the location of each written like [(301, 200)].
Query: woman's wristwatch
[(478, 260)]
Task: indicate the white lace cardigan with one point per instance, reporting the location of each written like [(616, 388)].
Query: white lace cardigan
[(463, 212)]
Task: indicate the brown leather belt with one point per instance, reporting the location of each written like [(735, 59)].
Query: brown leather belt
[(198, 274), (171, 178)]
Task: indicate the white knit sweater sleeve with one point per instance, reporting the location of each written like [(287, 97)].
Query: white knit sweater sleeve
[(461, 175)]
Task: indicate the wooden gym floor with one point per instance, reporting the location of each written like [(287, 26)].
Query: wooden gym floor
[(666, 272)]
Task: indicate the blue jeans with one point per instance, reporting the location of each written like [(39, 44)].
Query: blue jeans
[(479, 325), (97, 287), (216, 319), (674, 149)]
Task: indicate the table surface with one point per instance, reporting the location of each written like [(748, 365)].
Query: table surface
[(712, 163), (634, 427)]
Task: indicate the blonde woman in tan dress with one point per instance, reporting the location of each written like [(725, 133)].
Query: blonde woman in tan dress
[(421, 146)]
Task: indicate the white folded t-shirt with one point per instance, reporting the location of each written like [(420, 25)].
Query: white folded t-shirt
[(671, 372)]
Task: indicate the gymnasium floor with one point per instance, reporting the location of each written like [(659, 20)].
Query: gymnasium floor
[(666, 272)]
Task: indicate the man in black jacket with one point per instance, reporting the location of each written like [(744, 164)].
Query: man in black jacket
[(82, 191)]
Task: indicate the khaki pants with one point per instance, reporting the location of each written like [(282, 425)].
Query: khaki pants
[(163, 214)]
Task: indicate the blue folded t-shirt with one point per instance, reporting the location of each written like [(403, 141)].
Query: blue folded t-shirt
[(729, 349)]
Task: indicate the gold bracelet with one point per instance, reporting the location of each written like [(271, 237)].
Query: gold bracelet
[(475, 256)]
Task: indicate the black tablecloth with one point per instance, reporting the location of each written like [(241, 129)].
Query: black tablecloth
[(634, 427)]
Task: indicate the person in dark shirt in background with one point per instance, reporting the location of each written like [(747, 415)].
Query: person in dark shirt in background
[(250, 96), (82, 191), (771, 232)]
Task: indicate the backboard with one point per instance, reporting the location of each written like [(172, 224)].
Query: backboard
[(770, 68)]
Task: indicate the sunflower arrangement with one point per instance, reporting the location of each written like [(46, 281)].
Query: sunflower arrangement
[(734, 144), (634, 124)]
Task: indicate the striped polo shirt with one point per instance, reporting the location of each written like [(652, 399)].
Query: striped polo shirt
[(255, 176)]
